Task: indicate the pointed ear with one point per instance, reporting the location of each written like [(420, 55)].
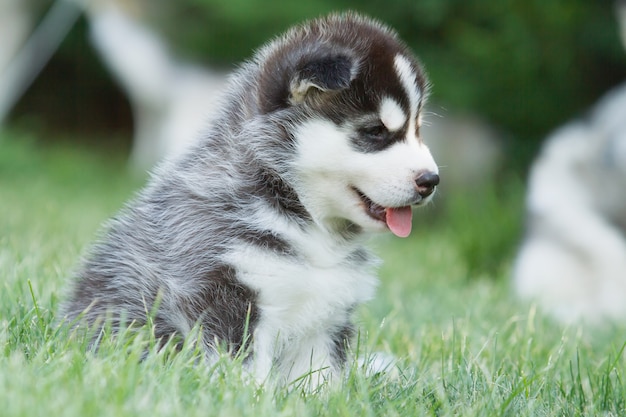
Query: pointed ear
[(329, 73)]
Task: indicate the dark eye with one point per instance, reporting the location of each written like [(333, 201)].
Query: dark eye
[(377, 132)]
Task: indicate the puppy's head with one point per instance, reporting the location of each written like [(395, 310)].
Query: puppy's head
[(353, 93)]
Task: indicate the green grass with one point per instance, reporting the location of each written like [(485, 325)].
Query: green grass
[(465, 346)]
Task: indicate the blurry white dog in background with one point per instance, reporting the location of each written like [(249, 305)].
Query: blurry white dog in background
[(573, 259), (171, 100)]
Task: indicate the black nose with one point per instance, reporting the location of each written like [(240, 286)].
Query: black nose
[(426, 183)]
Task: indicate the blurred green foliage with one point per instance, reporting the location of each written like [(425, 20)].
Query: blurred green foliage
[(526, 66)]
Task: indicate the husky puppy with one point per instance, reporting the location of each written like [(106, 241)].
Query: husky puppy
[(259, 228), (573, 258)]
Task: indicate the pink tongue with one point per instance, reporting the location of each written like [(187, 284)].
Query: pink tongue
[(399, 220)]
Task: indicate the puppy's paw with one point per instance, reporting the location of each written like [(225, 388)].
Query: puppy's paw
[(379, 363)]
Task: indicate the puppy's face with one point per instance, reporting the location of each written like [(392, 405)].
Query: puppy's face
[(360, 158)]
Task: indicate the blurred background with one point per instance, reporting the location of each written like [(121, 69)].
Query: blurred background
[(504, 75), (522, 67)]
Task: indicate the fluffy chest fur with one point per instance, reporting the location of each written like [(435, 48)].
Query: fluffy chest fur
[(319, 287)]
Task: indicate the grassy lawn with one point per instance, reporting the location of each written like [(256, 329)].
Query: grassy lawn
[(465, 346)]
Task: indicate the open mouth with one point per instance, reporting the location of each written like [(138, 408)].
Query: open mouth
[(397, 219)]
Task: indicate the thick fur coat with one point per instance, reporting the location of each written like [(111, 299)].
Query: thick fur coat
[(260, 226)]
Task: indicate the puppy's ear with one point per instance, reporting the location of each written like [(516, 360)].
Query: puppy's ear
[(328, 73)]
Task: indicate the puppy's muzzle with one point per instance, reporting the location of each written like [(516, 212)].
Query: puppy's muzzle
[(426, 183)]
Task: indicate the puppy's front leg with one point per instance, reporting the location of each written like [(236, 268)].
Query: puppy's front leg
[(305, 361), (310, 362)]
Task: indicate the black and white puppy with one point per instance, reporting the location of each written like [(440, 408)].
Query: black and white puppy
[(261, 225)]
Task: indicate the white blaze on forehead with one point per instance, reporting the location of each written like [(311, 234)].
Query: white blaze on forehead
[(391, 114), (407, 78)]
